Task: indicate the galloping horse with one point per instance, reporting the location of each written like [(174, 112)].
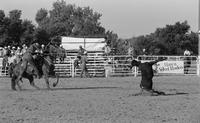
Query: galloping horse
[(44, 64)]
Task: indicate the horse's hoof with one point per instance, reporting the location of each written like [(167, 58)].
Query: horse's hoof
[(49, 88), (14, 89), (38, 88), (54, 84)]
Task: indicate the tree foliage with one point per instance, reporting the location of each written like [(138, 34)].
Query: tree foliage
[(169, 40), (14, 30), (69, 20)]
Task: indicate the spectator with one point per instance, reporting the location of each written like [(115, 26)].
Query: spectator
[(5, 51), (42, 48), (9, 47), (107, 50), (6, 54), (13, 51), (187, 52), (144, 52), (1, 52), (24, 48)]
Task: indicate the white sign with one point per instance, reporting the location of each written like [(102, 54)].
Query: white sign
[(170, 67)]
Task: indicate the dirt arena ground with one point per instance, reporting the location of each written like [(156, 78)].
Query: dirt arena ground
[(102, 100)]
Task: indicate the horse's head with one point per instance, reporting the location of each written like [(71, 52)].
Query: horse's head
[(50, 51), (55, 51)]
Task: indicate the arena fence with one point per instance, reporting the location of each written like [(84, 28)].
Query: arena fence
[(109, 66)]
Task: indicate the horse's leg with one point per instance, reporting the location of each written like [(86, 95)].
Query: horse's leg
[(31, 80), (17, 82), (46, 78), (87, 73), (13, 84), (57, 77)]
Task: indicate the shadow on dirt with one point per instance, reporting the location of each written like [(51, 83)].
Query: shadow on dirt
[(62, 89), (85, 88), (177, 93), (161, 94)]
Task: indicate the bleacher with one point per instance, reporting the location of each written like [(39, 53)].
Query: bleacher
[(95, 65)]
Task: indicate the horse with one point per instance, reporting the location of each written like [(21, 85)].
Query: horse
[(147, 74), (45, 66), (62, 55)]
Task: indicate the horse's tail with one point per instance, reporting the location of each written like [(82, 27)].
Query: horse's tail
[(10, 70), (13, 78)]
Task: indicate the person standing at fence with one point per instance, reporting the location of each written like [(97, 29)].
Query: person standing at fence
[(83, 62), (187, 60)]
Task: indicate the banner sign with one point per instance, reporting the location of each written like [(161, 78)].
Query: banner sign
[(170, 67)]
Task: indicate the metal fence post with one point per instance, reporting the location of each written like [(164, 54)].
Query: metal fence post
[(73, 68), (198, 65)]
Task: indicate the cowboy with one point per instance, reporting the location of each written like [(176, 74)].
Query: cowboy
[(18, 54), (29, 56), (83, 66), (81, 51)]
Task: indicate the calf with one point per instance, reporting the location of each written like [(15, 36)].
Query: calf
[(147, 75)]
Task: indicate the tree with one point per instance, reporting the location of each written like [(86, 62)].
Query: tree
[(69, 20), (14, 30), (169, 40), (27, 32), (171, 36)]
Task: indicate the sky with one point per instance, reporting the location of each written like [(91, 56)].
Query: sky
[(127, 18)]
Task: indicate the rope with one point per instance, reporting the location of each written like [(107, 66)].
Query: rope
[(48, 61)]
